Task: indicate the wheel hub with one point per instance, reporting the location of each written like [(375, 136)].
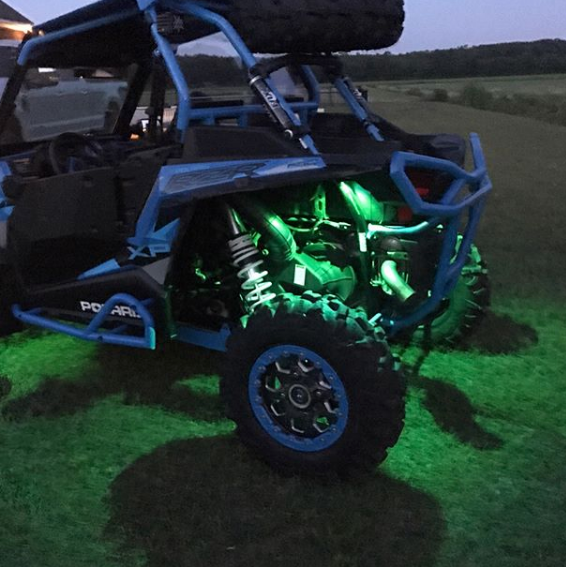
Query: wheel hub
[(297, 394)]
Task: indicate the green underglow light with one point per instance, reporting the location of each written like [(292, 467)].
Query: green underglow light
[(368, 205), (323, 421)]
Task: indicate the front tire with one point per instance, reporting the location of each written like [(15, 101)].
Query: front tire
[(313, 387)]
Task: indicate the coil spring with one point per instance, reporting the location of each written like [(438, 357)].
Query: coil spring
[(246, 257)]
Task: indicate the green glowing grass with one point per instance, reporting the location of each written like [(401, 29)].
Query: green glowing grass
[(111, 457)]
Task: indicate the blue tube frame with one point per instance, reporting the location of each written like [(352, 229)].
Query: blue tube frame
[(168, 55), (247, 57), (92, 331), (359, 110), (449, 209)]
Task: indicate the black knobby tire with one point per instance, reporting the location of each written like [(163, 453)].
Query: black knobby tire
[(356, 351), (314, 26), (463, 311)]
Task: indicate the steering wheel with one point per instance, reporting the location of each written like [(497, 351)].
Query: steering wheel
[(70, 145)]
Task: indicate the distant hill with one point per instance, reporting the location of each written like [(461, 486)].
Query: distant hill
[(501, 59)]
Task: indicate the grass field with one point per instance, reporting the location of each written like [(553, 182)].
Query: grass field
[(541, 97), (110, 457), (526, 85)]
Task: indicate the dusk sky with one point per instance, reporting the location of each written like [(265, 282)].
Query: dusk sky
[(431, 24)]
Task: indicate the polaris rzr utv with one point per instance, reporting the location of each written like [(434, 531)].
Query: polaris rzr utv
[(294, 240)]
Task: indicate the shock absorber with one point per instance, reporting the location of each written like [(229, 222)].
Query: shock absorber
[(247, 258)]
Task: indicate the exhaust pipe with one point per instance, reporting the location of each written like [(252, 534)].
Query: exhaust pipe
[(279, 238), (391, 276)]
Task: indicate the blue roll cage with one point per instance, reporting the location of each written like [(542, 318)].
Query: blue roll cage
[(450, 212)]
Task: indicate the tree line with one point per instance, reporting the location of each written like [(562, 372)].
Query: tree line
[(503, 59)]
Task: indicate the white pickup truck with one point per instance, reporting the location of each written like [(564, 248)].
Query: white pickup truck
[(54, 101)]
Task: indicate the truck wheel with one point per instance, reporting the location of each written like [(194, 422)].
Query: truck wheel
[(315, 26), (313, 387), (463, 311)]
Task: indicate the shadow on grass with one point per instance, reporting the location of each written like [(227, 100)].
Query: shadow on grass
[(500, 334), (143, 377), (451, 409), (5, 386), (208, 503)]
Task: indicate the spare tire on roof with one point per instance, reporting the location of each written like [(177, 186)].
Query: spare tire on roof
[(315, 26)]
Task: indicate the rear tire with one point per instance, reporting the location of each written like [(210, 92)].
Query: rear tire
[(463, 310), (315, 26), (313, 387)]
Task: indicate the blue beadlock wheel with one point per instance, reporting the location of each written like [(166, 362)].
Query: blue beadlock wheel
[(312, 386), (298, 398)]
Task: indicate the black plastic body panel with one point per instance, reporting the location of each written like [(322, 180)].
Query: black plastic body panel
[(330, 130), (66, 298), (76, 204), (64, 225), (219, 143)]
